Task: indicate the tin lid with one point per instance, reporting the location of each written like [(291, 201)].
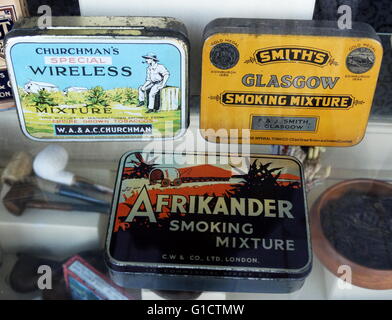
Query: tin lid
[(288, 27), (186, 215), (127, 77), (246, 63)]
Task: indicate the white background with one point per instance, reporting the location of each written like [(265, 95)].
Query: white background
[(197, 14)]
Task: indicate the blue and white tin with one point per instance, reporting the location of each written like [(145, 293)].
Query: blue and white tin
[(100, 78)]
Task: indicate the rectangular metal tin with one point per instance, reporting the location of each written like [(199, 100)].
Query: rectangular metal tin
[(289, 69), (91, 69), (151, 244)]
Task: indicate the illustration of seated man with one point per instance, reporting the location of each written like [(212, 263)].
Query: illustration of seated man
[(156, 79)]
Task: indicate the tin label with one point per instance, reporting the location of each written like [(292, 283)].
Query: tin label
[(284, 123), (82, 90), (287, 77), (244, 213)]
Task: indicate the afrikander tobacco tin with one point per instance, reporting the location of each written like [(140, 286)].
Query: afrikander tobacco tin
[(288, 82), (100, 78), (209, 222)]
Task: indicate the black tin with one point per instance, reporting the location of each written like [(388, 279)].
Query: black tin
[(186, 222)]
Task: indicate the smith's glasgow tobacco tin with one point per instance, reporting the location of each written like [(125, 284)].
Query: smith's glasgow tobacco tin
[(288, 82), (179, 222), (100, 78)]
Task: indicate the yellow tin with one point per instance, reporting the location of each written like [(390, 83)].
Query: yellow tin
[(288, 82)]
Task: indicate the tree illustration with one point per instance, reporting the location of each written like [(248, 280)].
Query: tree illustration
[(130, 96), (141, 169), (43, 98), (74, 97), (97, 97), (117, 97)]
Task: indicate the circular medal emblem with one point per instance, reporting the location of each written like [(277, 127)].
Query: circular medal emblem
[(224, 56), (360, 60)]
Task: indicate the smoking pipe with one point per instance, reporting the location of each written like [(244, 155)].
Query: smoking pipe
[(50, 164), (18, 168), (22, 196)]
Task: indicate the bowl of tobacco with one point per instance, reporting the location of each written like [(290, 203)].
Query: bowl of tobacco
[(351, 225)]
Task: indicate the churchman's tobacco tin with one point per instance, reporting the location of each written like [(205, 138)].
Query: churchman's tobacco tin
[(291, 82), (209, 222), (100, 78)]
